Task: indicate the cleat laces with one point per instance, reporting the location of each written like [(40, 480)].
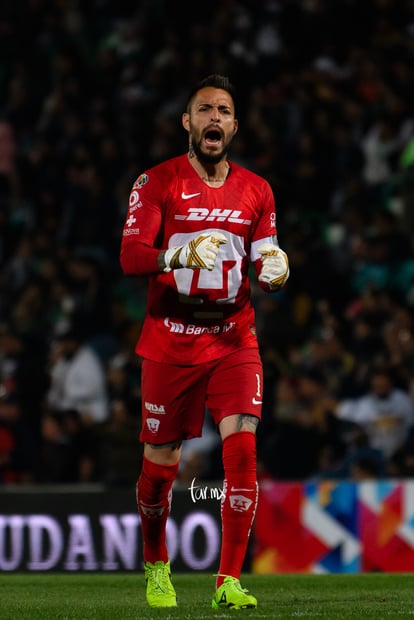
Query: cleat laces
[(159, 579), (160, 591)]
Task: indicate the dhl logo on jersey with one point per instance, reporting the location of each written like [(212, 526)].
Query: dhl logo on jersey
[(213, 215)]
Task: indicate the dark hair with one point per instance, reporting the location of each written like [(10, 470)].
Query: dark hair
[(215, 81)]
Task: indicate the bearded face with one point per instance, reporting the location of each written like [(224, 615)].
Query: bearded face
[(211, 146)]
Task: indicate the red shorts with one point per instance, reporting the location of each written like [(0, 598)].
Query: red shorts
[(175, 398)]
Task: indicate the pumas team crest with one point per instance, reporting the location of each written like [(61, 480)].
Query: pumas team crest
[(153, 425)]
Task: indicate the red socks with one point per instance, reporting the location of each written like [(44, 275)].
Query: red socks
[(154, 503), (238, 507)]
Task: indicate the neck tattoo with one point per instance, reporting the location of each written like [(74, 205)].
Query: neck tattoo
[(218, 180)]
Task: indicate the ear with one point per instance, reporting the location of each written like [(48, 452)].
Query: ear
[(236, 126), (185, 119)]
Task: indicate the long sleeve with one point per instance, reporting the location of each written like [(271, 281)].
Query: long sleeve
[(139, 259)]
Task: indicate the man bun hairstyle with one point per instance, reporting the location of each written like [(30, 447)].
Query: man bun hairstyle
[(214, 81)]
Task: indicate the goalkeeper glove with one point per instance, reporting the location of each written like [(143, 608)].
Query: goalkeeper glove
[(275, 266), (199, 253)]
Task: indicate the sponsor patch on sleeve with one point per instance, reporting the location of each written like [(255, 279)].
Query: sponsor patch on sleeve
[(141, 180)]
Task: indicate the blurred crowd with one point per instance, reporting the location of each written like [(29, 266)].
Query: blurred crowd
[(91, 95)]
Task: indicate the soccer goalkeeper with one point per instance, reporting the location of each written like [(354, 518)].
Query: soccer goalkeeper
[(194, 224)]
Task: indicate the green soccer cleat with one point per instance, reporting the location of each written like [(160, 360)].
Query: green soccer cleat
[(160, 590), (230, 595)]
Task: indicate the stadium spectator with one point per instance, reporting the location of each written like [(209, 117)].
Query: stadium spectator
[(77, 377), (68, 450), (117, 457), (385, 413), (18, 442)]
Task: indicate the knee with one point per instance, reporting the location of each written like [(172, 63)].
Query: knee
[(238, 422), (165, 454)]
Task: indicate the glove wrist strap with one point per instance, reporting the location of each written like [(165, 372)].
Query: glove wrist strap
[(172, 259)]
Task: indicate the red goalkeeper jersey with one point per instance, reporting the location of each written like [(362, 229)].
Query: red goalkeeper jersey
[(193, 315)]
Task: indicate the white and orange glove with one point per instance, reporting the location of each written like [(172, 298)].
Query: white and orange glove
[(275, 266), (199, 253)]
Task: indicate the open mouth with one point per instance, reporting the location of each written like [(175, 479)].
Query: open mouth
[(212, 137)]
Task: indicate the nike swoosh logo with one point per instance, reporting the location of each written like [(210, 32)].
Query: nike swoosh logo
[(185, 196), (256, 402)]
